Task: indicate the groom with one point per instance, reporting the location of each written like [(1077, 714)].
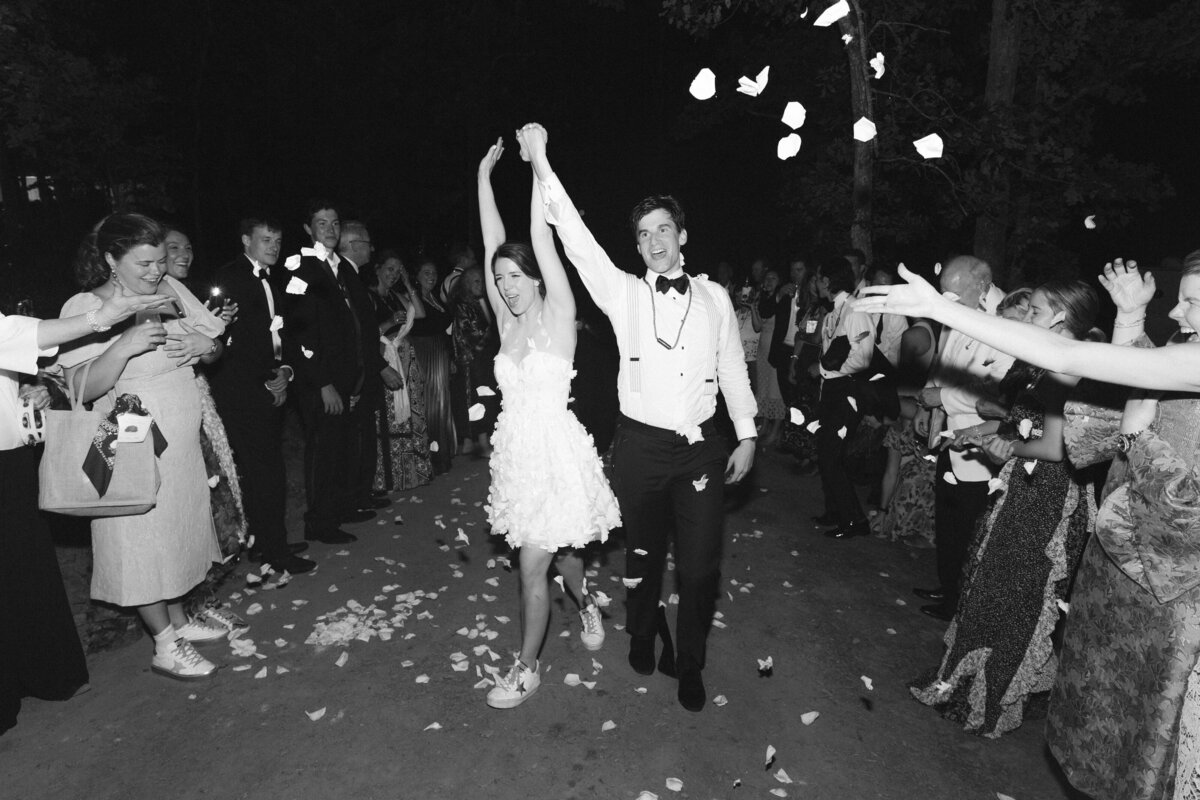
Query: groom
[(679, 344)]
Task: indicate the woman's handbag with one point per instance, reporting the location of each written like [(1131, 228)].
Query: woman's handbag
[(87, 470)]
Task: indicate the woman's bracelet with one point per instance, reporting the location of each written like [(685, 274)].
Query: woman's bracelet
[(94, 324), (1133, 324)]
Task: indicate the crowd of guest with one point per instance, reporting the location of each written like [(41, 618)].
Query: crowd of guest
[(995, 462)]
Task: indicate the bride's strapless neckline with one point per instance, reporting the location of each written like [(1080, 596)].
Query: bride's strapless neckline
[(518, 364)]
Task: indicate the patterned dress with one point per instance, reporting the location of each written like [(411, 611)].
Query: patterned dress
[(909, 518), (998, 646), (1133, 634), (404, 461)]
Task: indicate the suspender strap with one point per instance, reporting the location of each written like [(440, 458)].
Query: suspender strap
[(633, 338)]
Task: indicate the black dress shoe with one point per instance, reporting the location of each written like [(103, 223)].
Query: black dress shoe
[(335, 536), (857, 528), (932, 595), (938, 611), (293, 547), (825, 519), (380, 494), (641, 654), (666, 660), (292, 564), (691, 690), (359, 515)]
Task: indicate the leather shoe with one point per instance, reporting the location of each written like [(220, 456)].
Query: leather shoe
[(857, 528), (932, 595), (359, 515), (825, 519), (293, 565), (335, 536), (938, 611), (691, 690), (641, 654), (380, 494), (293, 547)]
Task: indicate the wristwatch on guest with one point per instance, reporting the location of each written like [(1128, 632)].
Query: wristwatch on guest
[(1126, 440)]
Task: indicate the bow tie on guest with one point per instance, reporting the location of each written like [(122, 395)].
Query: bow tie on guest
[(262, 271), (664, 284), (319, 250)]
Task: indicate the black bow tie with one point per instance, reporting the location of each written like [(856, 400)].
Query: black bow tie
[(680, 284), (262, 272)]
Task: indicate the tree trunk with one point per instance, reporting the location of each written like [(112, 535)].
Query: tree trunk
[(1004, 50), (861, 222)]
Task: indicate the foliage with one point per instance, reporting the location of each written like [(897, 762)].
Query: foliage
[(1046, 158)]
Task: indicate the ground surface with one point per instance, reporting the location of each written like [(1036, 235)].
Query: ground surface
[(827, 612)]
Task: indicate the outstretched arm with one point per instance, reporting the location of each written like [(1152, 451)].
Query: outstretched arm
[(490, 222), (603, 280), (558, 287), (1166, 368)]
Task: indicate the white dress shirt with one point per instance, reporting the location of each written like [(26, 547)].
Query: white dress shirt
[(966, 371), (19, 354), (857, 328), (674, 389), (276, 342)]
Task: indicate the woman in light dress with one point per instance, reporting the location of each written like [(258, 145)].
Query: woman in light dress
[(549, 495)]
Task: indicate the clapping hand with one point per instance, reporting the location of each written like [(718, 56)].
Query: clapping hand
[(1131, 290), (533, 139), (492, 158)]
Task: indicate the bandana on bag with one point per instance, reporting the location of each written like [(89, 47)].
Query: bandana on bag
[(98, 465)]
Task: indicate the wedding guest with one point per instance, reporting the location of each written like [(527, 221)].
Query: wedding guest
[(476, 344), (149, 561), (434, 352)]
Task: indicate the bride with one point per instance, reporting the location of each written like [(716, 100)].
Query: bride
[(548, 491)]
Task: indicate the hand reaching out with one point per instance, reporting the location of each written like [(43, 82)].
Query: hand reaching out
[(1130, 290), (491, 159), (916, 297), (533, 139)]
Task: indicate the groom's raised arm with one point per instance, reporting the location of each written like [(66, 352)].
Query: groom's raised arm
[(604, 281)]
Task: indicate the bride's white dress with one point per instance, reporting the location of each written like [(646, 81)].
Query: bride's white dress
[(548, 487)]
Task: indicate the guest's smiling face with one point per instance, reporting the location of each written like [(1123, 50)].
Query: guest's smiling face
[(1187, 311), (141, 269), (325, 227)]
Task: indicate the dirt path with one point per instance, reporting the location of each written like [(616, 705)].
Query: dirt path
[(827, 612)]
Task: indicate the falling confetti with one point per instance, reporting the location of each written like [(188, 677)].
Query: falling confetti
[(766, 666), (788, 146), (813, 426), (796, 415), (608, 725), (316, 715), (476, 412), (842, 431), (433, 447), (296, 286), (484, 391), (1089, 222), (1030, 466), (770, 757), (853, 403), (949, 478), (794, 115), (720, 700), (782, 776), (809, 717), (832, 14), (674, 784), (704, 85), (929, 146), (700, 483), (755, 87), (864, 130), (867, 683), (877, 65), (433, 726), (995, 485), (1024, 428), (631, 583)]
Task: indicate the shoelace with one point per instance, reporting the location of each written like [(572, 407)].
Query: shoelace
[(512, 680), (187, 654), (224, 618), (591, 619)]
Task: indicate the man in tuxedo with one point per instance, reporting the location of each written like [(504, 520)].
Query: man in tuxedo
[(334, 329), (354, 246), (679, 344), (250, 384)]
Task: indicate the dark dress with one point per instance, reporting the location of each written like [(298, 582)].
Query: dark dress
[(476, 344), (433, 349), (403, 461), (998, 646)]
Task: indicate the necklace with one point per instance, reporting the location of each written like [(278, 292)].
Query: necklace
[(682, 322)]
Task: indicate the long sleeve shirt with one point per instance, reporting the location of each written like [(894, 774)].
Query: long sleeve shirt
[(673, 388), (857, 328), (18, 355)]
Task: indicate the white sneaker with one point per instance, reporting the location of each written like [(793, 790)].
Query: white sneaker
[(225, 619), (199, 630), (183, 663), (516, 687), (592, 634)]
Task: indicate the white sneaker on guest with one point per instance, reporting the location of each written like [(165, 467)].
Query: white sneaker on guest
[(516, 687), (199, 630), (182, 662), (592, 634), (225, 619)]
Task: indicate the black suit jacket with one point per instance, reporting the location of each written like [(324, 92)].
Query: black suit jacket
[(334, 330), (249, 358)]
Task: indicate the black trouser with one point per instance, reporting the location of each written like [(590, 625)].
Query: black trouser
[(255, 433), (366, 446), (40, 654), (957, 509), (330, 449), (666, 488), (837, 416)]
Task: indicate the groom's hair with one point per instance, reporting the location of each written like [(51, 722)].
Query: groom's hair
[(652, 203)]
